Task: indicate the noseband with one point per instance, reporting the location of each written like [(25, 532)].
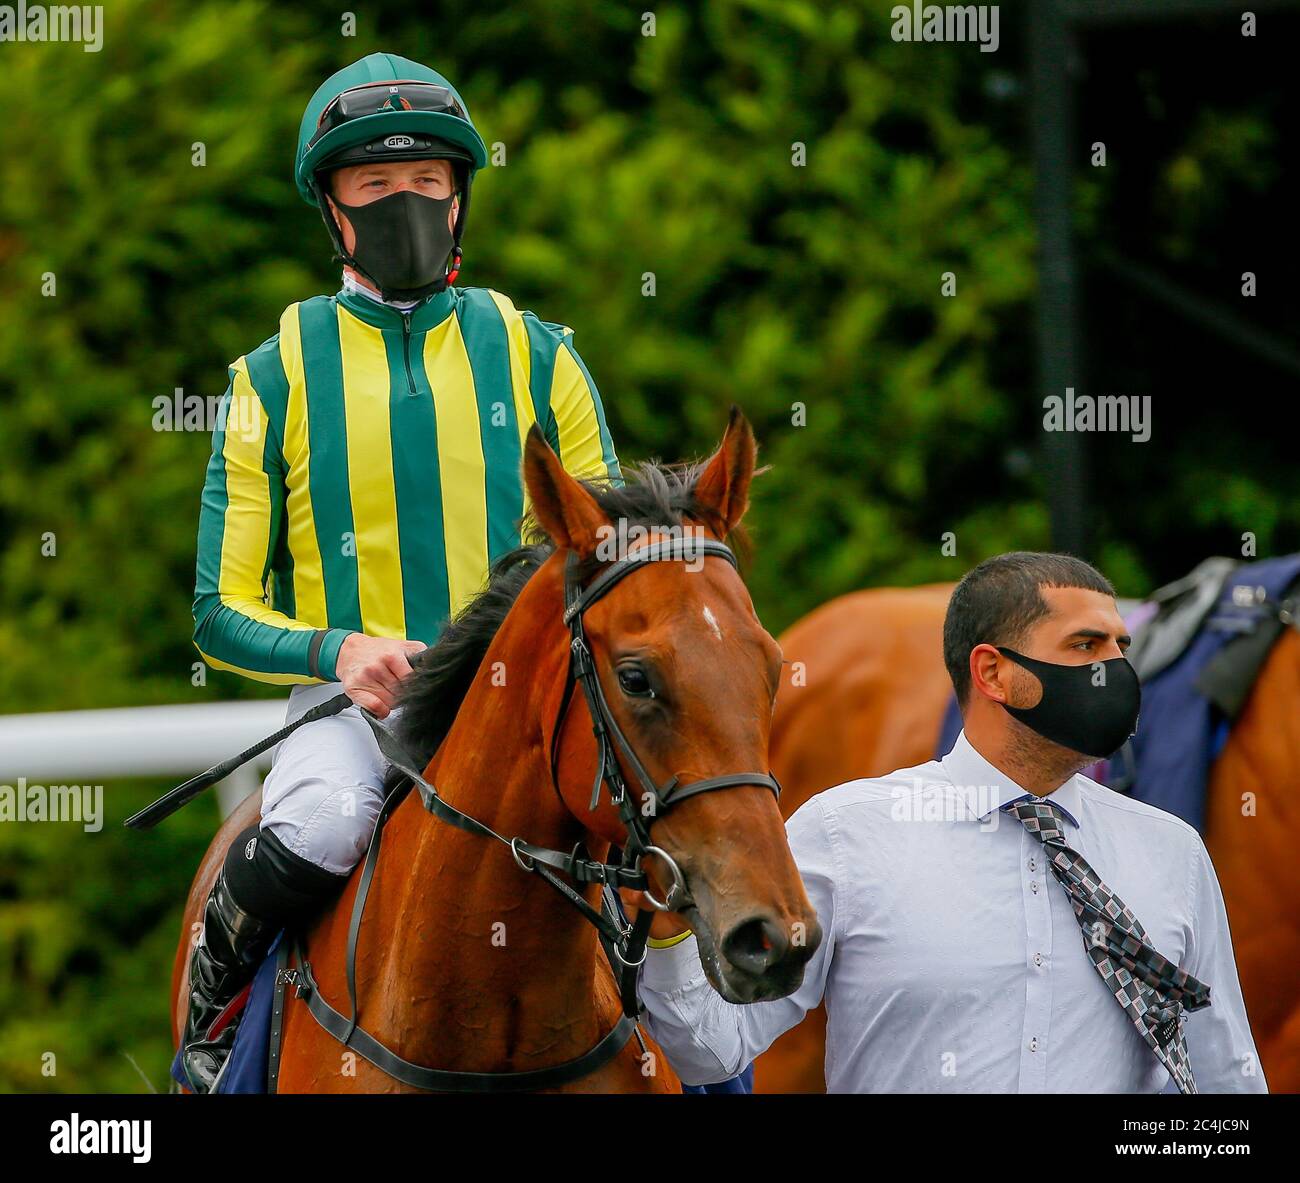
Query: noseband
[(624, 943)]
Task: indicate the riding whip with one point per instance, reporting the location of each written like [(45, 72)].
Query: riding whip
[(172, 800)]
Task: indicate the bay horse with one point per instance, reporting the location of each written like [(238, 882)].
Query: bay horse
[(864, 693), (464, 961)]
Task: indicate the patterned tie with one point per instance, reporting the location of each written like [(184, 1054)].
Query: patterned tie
[(1151, 990)]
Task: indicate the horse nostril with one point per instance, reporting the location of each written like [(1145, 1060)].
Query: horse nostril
[(755, 945)]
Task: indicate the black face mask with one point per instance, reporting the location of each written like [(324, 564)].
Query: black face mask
[(403, 243), (1077, 710)]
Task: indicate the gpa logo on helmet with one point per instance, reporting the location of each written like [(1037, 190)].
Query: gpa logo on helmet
[(399, 142), (250, 848)]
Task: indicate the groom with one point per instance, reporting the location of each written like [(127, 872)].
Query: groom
[(994, 921)]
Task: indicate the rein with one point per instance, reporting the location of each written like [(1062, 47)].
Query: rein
[(624, 943)]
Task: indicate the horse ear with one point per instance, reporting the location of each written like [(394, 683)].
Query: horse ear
[(566, 511), (722, 489)]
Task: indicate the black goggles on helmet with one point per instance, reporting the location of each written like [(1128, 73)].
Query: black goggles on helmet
[(375, 97)]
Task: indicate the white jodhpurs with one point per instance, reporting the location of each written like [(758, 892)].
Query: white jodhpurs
[(325, 787)]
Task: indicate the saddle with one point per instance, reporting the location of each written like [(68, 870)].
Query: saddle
[(1198, 670), (1168, 621)]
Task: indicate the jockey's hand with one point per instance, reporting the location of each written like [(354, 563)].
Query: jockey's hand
[(371, 668), (663, 926)]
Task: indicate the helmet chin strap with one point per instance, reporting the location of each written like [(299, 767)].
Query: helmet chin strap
[(342, 255)]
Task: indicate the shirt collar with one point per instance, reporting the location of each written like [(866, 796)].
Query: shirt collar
[(424, 316), (986, 788), (354, 287)]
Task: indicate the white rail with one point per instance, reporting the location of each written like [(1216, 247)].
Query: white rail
[(166, 741)]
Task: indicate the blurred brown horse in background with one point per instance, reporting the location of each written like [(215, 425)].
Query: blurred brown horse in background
[(864, 693)]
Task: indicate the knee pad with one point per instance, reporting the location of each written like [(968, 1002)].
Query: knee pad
[(271, 883)]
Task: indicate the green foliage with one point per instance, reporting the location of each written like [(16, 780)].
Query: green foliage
[(89, 925), (808, 295)]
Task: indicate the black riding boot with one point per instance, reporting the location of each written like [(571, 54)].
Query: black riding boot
[(261, 888), (230, 949)]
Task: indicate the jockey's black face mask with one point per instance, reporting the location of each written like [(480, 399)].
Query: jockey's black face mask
[(403, 243), (1091, 708)]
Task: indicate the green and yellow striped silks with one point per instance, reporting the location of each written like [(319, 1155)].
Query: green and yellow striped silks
[(365, 472)]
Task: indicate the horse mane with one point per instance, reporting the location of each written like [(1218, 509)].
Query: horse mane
[(655, 494)]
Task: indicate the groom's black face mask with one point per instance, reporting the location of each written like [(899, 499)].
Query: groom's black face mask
[(403, 242), (1090, 708)]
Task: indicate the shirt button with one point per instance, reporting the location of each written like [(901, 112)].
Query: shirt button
[(1033, 1044), (1033, 886), (1032, 865), (1038, 959)]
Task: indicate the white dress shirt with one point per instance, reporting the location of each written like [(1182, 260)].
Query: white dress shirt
[(951, 959)]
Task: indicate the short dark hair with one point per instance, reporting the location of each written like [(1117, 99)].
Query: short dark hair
[(999, 601)]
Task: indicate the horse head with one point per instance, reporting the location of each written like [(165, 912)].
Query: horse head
[(687, 676)]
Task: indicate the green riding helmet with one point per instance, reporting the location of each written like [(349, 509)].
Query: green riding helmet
[(385, 107)]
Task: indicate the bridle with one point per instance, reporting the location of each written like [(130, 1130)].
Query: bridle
[(624, 942), (656, 799)]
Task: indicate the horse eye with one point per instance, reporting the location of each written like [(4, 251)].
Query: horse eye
[(634, 682)]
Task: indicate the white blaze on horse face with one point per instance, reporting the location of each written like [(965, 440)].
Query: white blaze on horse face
[(712, 622)]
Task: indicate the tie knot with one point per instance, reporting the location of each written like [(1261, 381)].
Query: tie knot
[(1042, 818)]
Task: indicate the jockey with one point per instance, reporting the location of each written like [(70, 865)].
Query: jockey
[(365, 473)]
